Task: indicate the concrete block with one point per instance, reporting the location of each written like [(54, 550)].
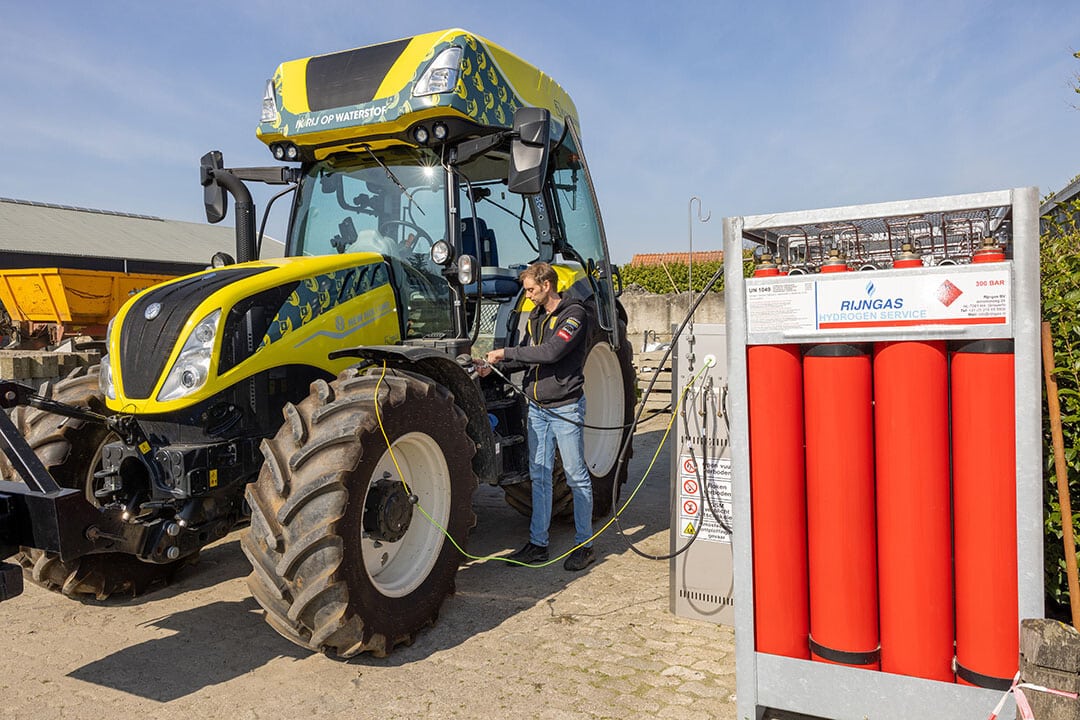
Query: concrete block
[(16, 366), (1051, 644), (45, 365), (1050, 656)]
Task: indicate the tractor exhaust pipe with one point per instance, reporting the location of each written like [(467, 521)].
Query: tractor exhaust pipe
[(215, 180)]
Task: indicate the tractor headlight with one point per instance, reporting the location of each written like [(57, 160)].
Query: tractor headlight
[(440, 253), (269, 104), (466, 270), (192, 367), (105, 381), (441, 75)]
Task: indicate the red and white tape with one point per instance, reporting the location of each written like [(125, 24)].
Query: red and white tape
[(1022, 705)]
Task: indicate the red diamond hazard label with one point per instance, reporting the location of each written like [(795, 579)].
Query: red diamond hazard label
[(947, 293)]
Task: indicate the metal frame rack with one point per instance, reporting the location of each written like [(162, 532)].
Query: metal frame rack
[(945, 230), (940, 237)]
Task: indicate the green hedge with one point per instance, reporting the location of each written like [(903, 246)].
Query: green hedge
[(1060, 256), (672, 278)]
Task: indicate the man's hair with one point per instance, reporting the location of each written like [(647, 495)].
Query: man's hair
[(540, 273)]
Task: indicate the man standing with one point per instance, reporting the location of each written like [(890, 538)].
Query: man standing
[(554, 360)]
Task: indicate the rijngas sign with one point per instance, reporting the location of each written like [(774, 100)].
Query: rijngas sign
[(945, 295)]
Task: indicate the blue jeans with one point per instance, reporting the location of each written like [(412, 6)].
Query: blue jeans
[(548, 427)]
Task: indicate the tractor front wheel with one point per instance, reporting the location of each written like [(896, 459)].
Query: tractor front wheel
[(363, 495)]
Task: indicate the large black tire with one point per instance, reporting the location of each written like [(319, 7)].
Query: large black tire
[(323, 580), (70, 449), (610, 398)]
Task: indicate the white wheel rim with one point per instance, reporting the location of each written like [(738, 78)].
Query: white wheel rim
[(603, 408), (398, 568)]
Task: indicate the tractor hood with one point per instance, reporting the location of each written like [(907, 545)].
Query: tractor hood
[(180, 342)]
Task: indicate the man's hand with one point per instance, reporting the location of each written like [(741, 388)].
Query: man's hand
[(483, 369)]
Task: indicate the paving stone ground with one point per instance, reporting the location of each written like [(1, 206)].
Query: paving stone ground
[(512, 642)]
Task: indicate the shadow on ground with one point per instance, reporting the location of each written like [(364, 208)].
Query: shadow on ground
[(199, 654)]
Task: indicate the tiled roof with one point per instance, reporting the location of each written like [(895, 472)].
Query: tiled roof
[(677, 258)]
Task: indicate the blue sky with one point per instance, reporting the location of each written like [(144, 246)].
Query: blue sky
[(753, 107)]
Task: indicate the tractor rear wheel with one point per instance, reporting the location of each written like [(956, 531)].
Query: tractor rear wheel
[(610, 398), (351, 513), (70, 449)]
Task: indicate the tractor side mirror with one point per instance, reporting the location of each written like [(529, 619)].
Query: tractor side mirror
[(215, 200), (529, 150)]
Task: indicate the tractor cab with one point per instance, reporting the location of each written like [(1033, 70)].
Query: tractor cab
[(460, 163)]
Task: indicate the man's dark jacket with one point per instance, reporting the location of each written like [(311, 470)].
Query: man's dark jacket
[(554, 356)]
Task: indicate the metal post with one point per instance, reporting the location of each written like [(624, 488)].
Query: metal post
[(690, 273)]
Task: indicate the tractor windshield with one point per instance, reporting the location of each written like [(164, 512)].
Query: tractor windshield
[(393, 204), (396, 208)]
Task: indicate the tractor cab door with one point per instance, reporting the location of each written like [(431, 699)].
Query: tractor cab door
[(578, 232), (561, 223)]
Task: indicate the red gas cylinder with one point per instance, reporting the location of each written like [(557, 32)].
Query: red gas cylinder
[(766, 267), (984, 513), (834, 263), (778, 499), (914, 520), (989, 252), (842, 550), (907, 258)]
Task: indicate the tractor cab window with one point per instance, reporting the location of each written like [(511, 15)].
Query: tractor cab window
[(575, 206), (507, 235), (397, 209), (498, 228)]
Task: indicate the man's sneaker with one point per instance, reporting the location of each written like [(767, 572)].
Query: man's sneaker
[(580, 559), (531, 554)]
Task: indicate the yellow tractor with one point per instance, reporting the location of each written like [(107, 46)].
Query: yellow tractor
[(328, 398)]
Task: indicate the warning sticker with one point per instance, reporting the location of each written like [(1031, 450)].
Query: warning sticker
[(711, 530), (712, 469), (776, 307), (695, 510)]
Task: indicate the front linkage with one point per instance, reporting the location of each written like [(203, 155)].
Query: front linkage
[(39, 513)]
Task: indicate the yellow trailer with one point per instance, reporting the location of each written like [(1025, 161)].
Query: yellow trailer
[(68, 301)]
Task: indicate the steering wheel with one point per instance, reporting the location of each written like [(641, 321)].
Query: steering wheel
[(421, 233)]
